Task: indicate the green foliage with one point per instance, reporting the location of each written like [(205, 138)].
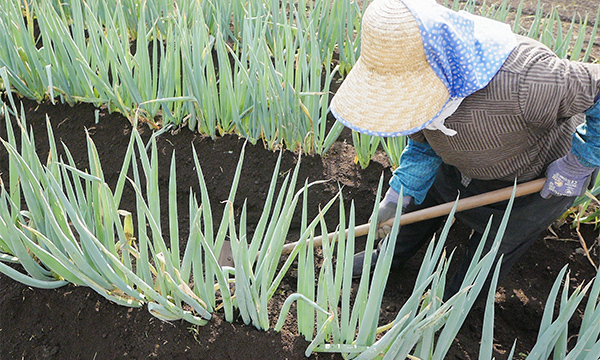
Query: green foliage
[(64, 224), (260, 69), (72, 229)]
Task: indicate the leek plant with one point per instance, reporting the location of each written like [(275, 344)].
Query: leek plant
[(552, 336), (567, 41), (393, 147), (256, 275), (365, 147), (73, 231), (270, 80), (19, 57), (257, 271), (86, 57), (425, 326), (200, 82), (261, 69), (351, 329)]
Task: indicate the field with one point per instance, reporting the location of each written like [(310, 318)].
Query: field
[(76, 323)]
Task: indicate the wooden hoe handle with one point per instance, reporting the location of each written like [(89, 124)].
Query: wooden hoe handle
[(441, 210)]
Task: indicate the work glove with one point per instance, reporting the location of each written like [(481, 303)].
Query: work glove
[(387, 210), (566, 177)]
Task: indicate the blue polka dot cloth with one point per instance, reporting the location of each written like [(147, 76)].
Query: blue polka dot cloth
[(463, 49)]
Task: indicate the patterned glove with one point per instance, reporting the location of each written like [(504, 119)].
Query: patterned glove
[(566, 177), (387, 210)]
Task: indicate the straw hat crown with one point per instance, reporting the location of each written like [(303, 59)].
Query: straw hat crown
[(390, 40), (391, 90)]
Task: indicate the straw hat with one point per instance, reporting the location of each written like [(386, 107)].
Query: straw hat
[(391, 90)]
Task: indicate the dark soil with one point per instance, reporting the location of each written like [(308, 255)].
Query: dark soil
[(77, 323)]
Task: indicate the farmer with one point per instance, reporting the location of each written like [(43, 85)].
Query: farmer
[(481, 107)]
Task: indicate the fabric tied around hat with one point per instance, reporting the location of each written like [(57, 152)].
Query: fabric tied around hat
[(464, 50), (437, 123)]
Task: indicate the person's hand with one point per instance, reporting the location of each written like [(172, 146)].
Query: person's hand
[(566, 177), (387, 210)]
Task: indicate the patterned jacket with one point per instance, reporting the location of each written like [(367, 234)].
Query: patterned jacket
[(515, 127)]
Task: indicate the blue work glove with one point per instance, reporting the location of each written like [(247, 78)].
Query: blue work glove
[(387, 210), (566, 177)]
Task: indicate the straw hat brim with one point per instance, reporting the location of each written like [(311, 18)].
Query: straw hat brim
[(386, 104)]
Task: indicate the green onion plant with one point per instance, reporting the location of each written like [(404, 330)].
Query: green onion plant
[(73, 230), (352, 328), (261, 69), (393, 147)]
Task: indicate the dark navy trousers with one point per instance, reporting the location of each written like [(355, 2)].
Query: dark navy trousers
[(530, 215)]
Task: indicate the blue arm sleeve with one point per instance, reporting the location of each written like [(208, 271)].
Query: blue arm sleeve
[(586, 139), (419, 165)]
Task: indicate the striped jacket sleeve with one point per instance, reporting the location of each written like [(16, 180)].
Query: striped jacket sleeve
[(553, 89)]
